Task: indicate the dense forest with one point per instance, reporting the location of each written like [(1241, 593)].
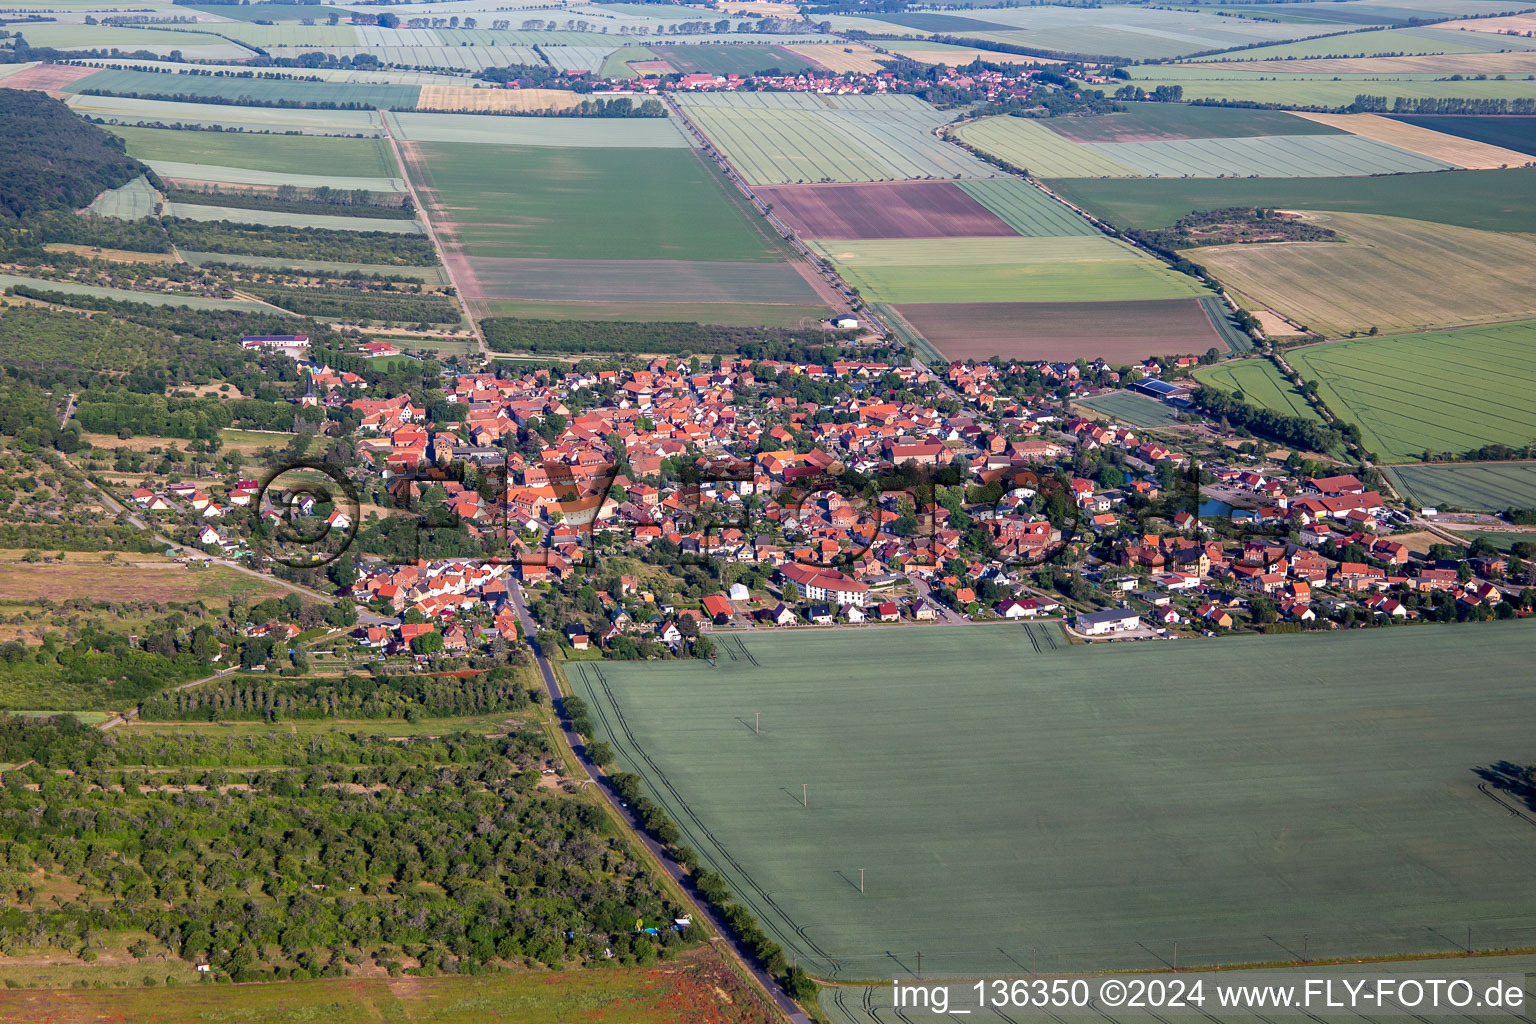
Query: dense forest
[(352, 303), (387, 248), (1294, 430), (288, 199), (1237, 224), (423, 855), (52, 159)]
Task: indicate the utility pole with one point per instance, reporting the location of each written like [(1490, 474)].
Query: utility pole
[(805, 798), (757, 722), (861, 879), (919, 965)]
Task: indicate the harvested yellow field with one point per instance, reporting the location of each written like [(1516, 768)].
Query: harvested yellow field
[(1417, 139), (1517, 63), (1391, 273), (1515, 24), (112, 255), (766, 8), (493, 101), (839, 59)]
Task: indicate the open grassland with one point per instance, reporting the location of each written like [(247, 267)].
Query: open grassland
[(1485, 486), (905, 209), (279, 218), (1119, 332), (1259, 382), (1026, 209), (1321, 786), (599, 204), (194, 87), (560, 133), (1137, 410), (1389, 273), (132, 201), (729, 59), (1416, 138), (324, 156), (855, 57), (68, 288), (800, 138), (1504, 131), (1490, 200), (1268, 156), (1030, 146), (697, 987), (1445, 391), (475, 101), (251, 119), (101, 582), (1078, 268), (1150, 122)]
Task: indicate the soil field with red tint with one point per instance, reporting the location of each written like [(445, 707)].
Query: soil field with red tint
[(47, 77), (1118, 332), (903, 209)]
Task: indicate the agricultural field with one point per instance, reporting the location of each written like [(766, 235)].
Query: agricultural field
[(1330, 779), (741, 313), (1489, 200), (193, 44), (494, 101), (1268, 156), (204, 174), (194, 87), (800, 138), (1387, 273), (729, 59), (1259, 382), (321, 156), (549, 132), (117, 110), (1480, 486), (1137, 410), (1435, 145), (124, 295), (1026, 209), (1030, 146), (686, 281), (98, 581), (906, 209), (1262, 85), (1153, 122), (1119, 332), (1515, 133), (854, 57), (279, 218), (132, 201), (929, 52), (1521, 62), (1444, 391), (1079, 268), (430, 275)]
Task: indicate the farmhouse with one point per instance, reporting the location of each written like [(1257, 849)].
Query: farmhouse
[(1113, 620)]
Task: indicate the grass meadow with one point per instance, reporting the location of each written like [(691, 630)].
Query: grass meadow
[(1137, 410), (1012, 799), (320, 155), (1260, 383), (1443, 391)]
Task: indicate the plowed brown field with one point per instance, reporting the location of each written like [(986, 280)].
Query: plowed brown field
[(904, 209)]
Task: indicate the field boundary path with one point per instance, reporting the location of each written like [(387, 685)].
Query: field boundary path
[(437, 245), (786, 1006)]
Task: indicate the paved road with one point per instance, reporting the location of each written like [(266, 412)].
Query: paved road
[(530, 629), (69, 410)]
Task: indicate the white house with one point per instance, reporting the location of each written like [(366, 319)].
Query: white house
[(1112, 620)]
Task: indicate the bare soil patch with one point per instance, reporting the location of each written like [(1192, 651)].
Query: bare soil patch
[(1116, 331), (905, 209)]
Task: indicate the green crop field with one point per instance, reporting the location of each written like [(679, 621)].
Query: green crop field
[(729, 59), (1262, 85), (1486, 486), (1144, 121), (1444, 391), (1491, 200), (1260, 383), (278, 218), (601, 204), (747, 314), (1030, 146), (1270, 156), (307, 154), (256, 119), (1137, 410), (799, 138), (1077, 268), (132, 201), (1015, 800), (556, 132), (1026, 209), (1387, 273), (274, 90)]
